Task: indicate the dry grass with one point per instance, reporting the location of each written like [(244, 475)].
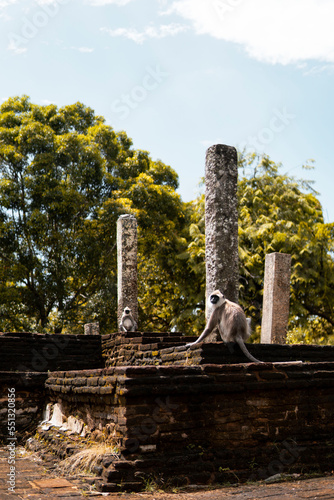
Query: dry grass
[(84, 462)]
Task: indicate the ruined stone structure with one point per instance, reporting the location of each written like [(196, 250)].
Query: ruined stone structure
[(202, 424), (179, 416)]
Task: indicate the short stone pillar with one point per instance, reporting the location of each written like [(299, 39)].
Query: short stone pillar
[(276, 298), (221, 221), (92, 328), (127, 265)]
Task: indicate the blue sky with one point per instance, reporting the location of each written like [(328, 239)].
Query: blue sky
[(181, 75)]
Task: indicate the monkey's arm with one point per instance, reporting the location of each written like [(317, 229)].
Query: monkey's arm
[(211, 324)]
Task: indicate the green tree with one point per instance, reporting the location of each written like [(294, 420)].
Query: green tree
[(278, 213), (281, 214), (171, 292), (65, 177)]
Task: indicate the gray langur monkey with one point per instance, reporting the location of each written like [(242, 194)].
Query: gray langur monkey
[(231, 321), (127, 323)]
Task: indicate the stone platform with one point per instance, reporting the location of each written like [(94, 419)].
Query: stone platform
[(142, 348), (180, 416)]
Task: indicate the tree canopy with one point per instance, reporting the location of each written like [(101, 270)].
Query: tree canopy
[(278, 213), (65, 177), (281, 214)]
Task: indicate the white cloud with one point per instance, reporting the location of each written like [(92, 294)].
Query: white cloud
[(273, 31), (328, 68), (87, 50), (98, 3), (46, 2), (15, 47), (47, 102), (5, 3), (149, 32)]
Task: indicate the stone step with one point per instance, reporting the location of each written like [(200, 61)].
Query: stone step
[(132, 486)]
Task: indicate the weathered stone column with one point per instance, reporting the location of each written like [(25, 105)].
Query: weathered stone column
[(127, 265), (276, 298), (221, 221)]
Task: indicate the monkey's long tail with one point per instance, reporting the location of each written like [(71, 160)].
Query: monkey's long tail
[(246, 352)]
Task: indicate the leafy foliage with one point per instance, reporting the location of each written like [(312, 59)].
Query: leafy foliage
[(65, 177), (277, 215)]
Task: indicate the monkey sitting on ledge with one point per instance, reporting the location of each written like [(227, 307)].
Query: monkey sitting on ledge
[(231, 322), (128, 323)]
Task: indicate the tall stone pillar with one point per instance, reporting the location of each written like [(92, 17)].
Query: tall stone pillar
[(127, 265), (221, 221), (276, 298)]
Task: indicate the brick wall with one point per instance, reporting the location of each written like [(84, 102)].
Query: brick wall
[(30, 397), (135, 349), (26, 359), (207, 423), (198, 415), (40, 353)]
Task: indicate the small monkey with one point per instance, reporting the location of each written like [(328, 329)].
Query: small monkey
[(127, 323), (231, 321)]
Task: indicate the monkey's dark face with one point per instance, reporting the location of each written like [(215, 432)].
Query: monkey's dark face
[(127, 310), (216, 298)]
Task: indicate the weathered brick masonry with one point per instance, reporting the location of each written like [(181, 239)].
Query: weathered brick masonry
[(26, 359), (206, 423), (41, 353), (137, 348), (30, 397), (180, 415)]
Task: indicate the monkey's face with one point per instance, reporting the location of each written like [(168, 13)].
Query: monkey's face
[(127, 310), (216, 298)]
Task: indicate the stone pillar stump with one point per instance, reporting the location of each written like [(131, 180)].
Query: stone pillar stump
[(276, 298), (92, 328)]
